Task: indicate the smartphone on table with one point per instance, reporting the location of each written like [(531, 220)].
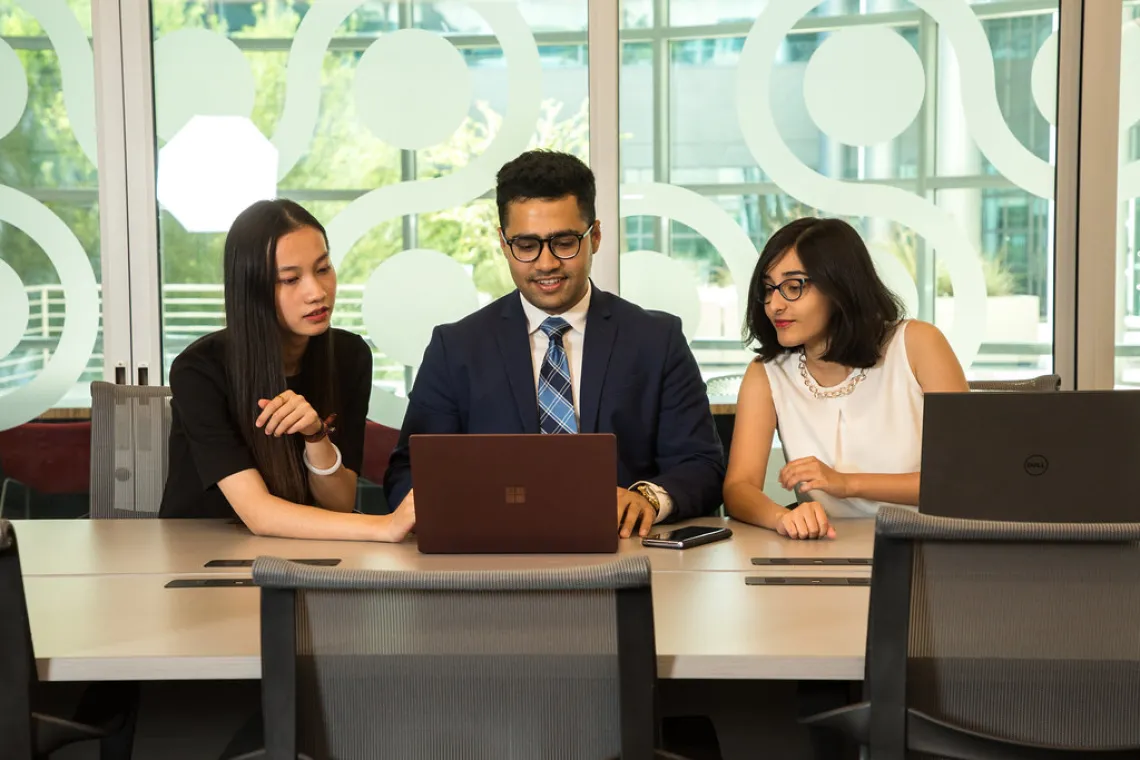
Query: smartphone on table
[(686, 537)]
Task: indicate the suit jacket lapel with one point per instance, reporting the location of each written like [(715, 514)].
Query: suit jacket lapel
[(514, 344), (601, 331)]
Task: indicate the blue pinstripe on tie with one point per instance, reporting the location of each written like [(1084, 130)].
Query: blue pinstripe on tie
[(555, 392)]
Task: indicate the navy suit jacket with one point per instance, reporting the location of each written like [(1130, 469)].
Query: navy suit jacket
[(639, 381)]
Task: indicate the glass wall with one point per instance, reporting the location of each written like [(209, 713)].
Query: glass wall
[(50, 333), (1128, 226), (388, 120), (929, 126)]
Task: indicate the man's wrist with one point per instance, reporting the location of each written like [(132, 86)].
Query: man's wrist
[(647, 493)]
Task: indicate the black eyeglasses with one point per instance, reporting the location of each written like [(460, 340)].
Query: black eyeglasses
[(564, 245), (791, 289)]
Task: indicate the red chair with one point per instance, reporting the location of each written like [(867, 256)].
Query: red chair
[(45, 457), (379, 440)]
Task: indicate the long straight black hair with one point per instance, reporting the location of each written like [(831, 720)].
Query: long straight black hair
[(255, 368)]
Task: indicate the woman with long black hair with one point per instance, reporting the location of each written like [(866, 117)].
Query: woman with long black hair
[(268, 413)]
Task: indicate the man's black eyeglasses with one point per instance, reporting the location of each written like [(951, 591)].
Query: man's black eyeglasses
[(564, 245)]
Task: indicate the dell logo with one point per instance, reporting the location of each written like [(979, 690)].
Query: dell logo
[(1036, 464), (516, 495)]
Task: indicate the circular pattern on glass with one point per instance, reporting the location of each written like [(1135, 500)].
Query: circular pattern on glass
[(408, 295), (81, 320), (1043, 79), (14, 309), (219, 82), (654, 281), (412, 88), (13, 89), (864, 85)]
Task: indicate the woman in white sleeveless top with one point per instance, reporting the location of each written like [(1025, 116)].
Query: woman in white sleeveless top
[(840, 375)]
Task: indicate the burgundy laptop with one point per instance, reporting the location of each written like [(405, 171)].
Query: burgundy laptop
[(508, 494)]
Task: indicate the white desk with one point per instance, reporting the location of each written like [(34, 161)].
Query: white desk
[(113, 547), (709, 625), (99, 609)]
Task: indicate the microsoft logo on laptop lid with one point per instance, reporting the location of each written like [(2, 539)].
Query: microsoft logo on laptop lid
[(516, 495)]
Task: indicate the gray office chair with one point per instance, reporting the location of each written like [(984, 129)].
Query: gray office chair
[(1000, 640), (106, 712), (1044, 383), (725, 385), (130, 436), (558, 664)]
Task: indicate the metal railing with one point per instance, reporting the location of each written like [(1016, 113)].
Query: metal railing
[(188, 313)]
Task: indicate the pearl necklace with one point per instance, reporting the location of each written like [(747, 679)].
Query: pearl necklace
[(843, 390)]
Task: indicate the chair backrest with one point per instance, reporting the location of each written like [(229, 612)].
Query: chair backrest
[(379, 440), (557, 664), (49, 457), (1021, 632), (725, 385), (17, 662), (130, 440), (1043, 383)]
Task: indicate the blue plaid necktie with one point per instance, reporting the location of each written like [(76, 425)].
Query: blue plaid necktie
[(555, 392)]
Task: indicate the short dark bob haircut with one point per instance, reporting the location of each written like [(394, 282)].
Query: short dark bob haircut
[(863, 310)]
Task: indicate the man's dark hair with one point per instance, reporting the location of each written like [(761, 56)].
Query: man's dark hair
[(863, 309), (545, 175)]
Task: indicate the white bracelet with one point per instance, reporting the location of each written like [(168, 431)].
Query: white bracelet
[(335, 465)]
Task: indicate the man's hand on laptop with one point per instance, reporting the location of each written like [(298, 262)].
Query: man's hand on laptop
[(634, 513), (403, 520)]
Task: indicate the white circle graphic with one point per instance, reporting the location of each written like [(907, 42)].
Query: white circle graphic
[(13, 89), (939, 229), (408, 295), (524, 106), (218, 83), (864, 85), (81, 316), (654, 281), (14, 309), (412, 88)]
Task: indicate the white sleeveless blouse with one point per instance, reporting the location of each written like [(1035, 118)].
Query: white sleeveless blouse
[(877, 428)]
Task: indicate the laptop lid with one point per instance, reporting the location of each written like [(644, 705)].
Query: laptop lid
[(1033, 457), (515, 493)]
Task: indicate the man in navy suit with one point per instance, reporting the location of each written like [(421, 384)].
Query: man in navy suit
[(561, 356)]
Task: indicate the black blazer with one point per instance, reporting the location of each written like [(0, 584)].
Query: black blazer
[(639, 381)]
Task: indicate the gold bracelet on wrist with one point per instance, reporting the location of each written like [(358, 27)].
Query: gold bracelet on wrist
[(645, 490)]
